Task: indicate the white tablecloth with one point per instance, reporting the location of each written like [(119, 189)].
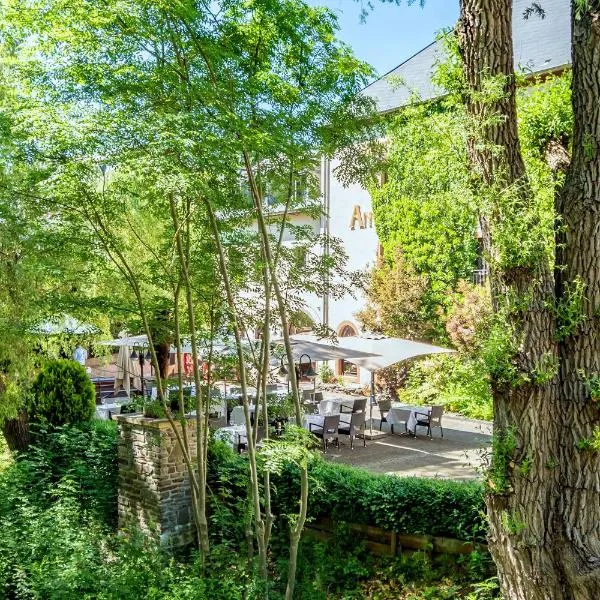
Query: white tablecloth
[(232, 435), (114, 408), (316, 419), (237, 415), (406, 414), (333, 406)]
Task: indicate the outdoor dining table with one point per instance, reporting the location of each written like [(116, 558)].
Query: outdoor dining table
[(314, 419), (397, 415), (232, 435), (333, 406)]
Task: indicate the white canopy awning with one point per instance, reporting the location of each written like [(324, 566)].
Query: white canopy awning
[(64, 324), (137, 341), (373, 353), (323, 350), (132, 340)]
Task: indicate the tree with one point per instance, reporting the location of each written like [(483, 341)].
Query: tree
[(395, 300), (194, 113), (542, 491)]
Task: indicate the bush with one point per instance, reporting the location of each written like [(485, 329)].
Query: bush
[(346, 494), (326, 373), (62, 393), (408, 505), (459, 382), (86, 455)]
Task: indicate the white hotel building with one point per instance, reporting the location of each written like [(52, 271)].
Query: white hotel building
[(541, 46)]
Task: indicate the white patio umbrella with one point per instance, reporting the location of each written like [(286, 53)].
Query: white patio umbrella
[(322, 349), (64, 324), (388, 351), (127, 369)]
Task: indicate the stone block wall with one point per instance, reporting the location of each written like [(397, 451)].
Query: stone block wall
[(154, 485)]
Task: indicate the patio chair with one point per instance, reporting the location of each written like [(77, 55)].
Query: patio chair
[(432, 418), (310, 408), (306, 395), (317, 397), (357, 422), (329, 429), (360, 405), (242, 444), (384, 409)]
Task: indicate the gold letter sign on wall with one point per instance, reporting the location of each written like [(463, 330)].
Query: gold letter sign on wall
[(364, 220)]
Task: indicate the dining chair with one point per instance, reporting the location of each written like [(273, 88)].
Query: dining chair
[(360, 405), (384, 409), (432, 418), (351, 428), (310, 408), (306, 395), (328, 429), (237, 416)]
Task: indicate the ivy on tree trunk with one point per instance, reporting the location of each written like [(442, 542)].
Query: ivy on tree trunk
[(543, 498)]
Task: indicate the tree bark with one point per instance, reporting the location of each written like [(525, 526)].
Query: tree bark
[(16, 432), (524, 484), (577, 542)]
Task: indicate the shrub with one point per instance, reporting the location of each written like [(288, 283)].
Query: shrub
[(326, 374), (62, 393), (346, 494), (86, 454), (459, 382)]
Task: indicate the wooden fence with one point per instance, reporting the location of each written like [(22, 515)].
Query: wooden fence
[(390, 543)]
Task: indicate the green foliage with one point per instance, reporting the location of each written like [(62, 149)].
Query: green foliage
[(591, 444), (326, 373), (545, 113), (425, 208), (512, 522), (459, 382), (504, 445), (406, 505), (570, 313), (85, 454), (592, 385), (499, 353), (469, 317), (55, 543), (61, 393), (395, 300), (347, 494)]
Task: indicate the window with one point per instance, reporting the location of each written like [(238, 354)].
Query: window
[(345, 368)]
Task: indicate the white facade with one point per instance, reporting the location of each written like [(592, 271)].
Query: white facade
[(347, 216)]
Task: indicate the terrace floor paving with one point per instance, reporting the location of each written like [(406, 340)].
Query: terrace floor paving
[(457, 455)]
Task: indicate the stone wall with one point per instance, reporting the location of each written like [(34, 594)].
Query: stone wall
[(154, 486)]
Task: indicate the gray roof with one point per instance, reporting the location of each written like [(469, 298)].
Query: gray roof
[(540, 45)]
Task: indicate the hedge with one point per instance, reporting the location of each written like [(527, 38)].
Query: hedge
[(407, 505)]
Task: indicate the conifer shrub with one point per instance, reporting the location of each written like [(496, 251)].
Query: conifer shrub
[(62, 393)]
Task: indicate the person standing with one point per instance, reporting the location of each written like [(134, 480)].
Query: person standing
[(80, 355)]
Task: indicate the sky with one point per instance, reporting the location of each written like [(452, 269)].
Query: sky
[(391, 33)]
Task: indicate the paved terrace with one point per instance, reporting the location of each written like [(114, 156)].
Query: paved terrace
[(455, 456)]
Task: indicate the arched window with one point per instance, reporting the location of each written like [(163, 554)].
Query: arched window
[(345, 368)]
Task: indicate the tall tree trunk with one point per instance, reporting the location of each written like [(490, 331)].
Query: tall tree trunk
[(16, 432), (577, 540), (523, 484)]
